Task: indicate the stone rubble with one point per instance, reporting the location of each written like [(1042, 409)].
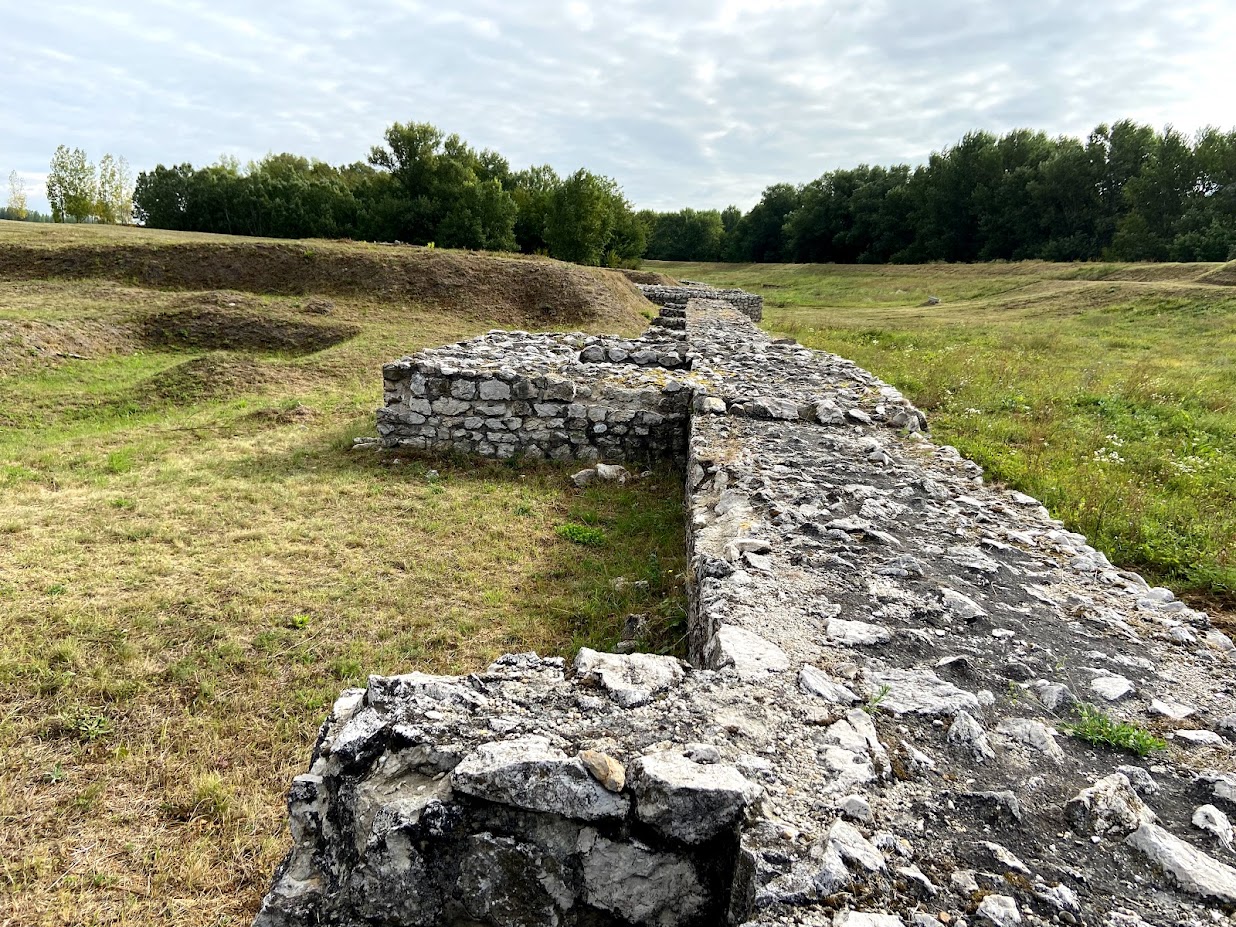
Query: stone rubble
[(873, 729)]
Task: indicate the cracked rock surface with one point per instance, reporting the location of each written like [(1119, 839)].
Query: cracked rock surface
[(886, 654)]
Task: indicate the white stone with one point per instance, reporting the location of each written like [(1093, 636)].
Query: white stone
[(751, 655), (854, 848), (814, 682), (689, 801), (739, 546), (1171, 709), (1060, 897), (632, 679), (529, 773), (1160, 595), (856, 808), (917, 877), (732, 501), (1000, 910), (1224, 785), (1191, 869), (1200, 738), (612, 473), (919, 692), (640, 885), (1111, 687), (848, 918), (962, 606), (1143, 783), (1005, 857), (968, 733), (828, 412), (1108, 805), (1032, 733), (1219, 641), (856, 633), (964, 881), (1052, 694), (1212, 820)]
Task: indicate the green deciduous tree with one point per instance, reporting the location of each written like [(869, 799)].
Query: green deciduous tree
[(687, 235), (72, 189), (115, 186), (533, 190), (580, 218), (449, 193)]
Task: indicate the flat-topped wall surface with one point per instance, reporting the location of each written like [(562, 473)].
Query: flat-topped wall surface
[(886, 655)]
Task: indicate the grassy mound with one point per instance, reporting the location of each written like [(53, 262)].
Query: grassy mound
[(514, 290)]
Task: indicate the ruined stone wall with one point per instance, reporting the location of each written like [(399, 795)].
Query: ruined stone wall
[(564, 397), (885, 652), (749, 304)]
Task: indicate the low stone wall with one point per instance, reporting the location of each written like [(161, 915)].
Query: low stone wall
[(871, 731), (565, 397), (749, 304)]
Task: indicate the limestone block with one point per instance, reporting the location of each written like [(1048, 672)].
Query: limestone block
[(494, 389), (1191, 869), (529, 773), (689, 801), (1108, 805), (632, 679)]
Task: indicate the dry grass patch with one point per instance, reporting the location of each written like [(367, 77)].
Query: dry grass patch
[(193, 563)]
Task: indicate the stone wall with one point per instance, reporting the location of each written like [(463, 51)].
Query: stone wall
[(565, 397), (677, 297), (885, 654)]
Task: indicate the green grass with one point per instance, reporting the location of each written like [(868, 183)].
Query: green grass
[(193, 564), (1096, 727), (585, 535), (1107, 391)]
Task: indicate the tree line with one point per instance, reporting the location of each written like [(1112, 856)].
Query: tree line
[(420, 186), (1126, 193)]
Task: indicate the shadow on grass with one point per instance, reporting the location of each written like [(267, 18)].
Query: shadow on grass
[(609, 559)]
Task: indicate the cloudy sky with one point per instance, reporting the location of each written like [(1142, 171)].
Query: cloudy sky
[(684, 103)]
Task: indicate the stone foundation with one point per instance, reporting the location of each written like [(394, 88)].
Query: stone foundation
[(677, 297), (885, 653), (565, 397)]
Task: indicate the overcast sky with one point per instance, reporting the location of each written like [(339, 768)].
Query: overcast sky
[(684, 103)]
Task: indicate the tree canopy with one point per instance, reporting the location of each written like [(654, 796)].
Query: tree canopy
[(420, 186), (1126, 192)]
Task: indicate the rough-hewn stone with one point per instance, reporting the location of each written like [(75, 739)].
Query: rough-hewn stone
[(884, 655)]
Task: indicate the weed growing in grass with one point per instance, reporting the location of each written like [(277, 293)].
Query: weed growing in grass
[(1096, 727), (87, 725), (586, 535)]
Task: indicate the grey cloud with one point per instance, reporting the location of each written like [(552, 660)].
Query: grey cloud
[(702, 104)]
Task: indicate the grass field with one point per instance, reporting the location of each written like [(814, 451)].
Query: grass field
[(193, 563), (1108, 391)]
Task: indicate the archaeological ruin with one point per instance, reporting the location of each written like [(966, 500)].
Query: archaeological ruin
[(877, 724)]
